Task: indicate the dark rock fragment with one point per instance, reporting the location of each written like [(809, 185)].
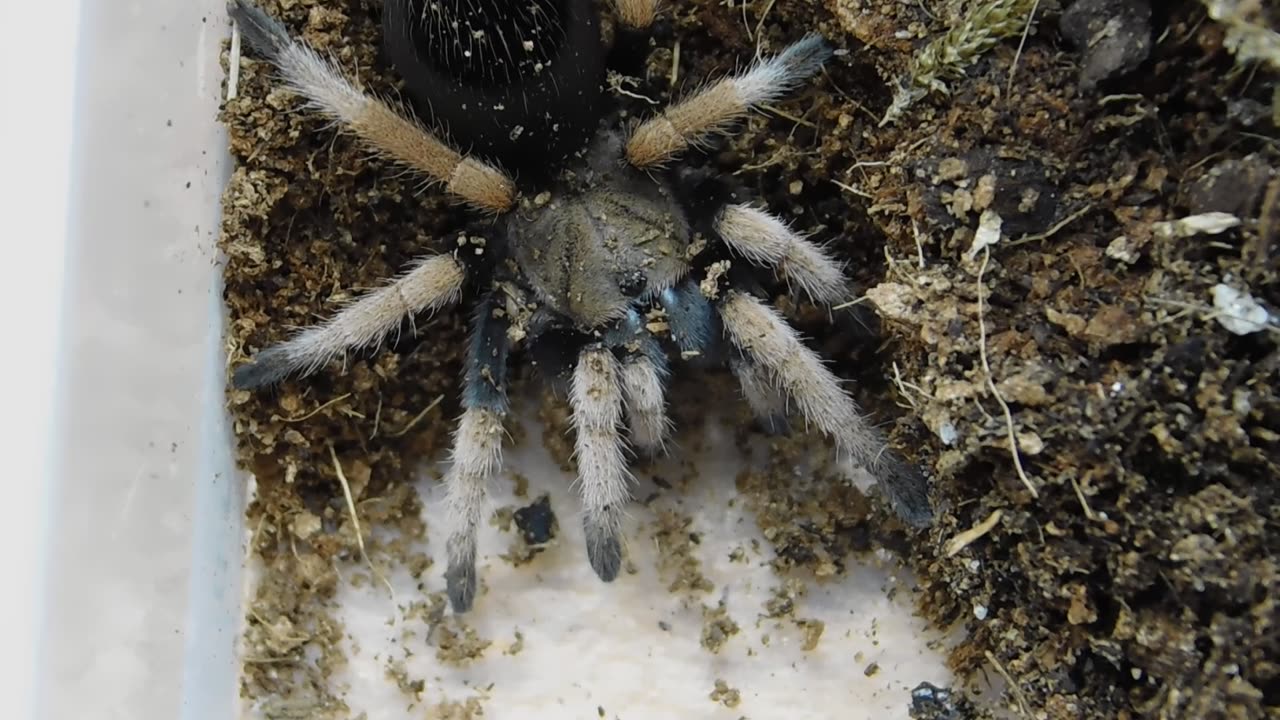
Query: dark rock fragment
[(930, 702), (537, 522), (1231, 186), (1114, 36)]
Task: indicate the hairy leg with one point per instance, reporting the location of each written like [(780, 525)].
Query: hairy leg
[(636, 14), (372, 120), (596, 399), (643, 375), (633, 28), (767, 404), (431, 284), (718, 106), (644, 379), (760, 332), (477, 449), (765, 239)]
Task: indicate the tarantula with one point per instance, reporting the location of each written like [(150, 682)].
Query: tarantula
[(598, 239)]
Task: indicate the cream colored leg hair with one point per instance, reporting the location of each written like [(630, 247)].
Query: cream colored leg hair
[(767, 403), (642, 388), (758, 330), (477, 457), (373, 121), (765, 239), (596, 399), (714, 109), (636, 14), (430, 285)]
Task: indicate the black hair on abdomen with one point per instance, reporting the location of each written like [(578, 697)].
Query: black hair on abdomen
[(513, 81)]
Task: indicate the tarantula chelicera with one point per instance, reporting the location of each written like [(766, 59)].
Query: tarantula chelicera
[(600, 236)]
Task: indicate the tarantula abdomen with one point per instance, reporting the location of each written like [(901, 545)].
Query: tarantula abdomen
[(515, 81)]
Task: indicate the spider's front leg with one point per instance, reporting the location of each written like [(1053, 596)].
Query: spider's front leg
[(596, 400), (643, 375), (644, 380), (698, 334), (775, 356), (477, 448), (761, 239)]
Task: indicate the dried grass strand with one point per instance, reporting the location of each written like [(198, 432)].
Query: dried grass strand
[(991, 383), (355, 522)]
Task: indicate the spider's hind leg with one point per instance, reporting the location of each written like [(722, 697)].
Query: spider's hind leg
[(381, 126), (477, 450), (718, 106), (636, 25)]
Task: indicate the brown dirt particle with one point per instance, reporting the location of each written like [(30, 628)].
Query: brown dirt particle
[(717, 628), (725, 695)]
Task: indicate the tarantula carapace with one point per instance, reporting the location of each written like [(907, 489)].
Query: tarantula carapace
[(602, 233)]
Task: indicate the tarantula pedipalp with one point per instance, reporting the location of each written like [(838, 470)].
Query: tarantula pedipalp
[(578, 262)]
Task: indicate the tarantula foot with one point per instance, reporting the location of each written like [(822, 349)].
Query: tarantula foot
[(266, 368), (908, 492), (805, 57), (604, 551), (263, 32), (460, 583)]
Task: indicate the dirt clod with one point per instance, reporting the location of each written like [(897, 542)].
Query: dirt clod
[(717, 628), (725, 695)]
